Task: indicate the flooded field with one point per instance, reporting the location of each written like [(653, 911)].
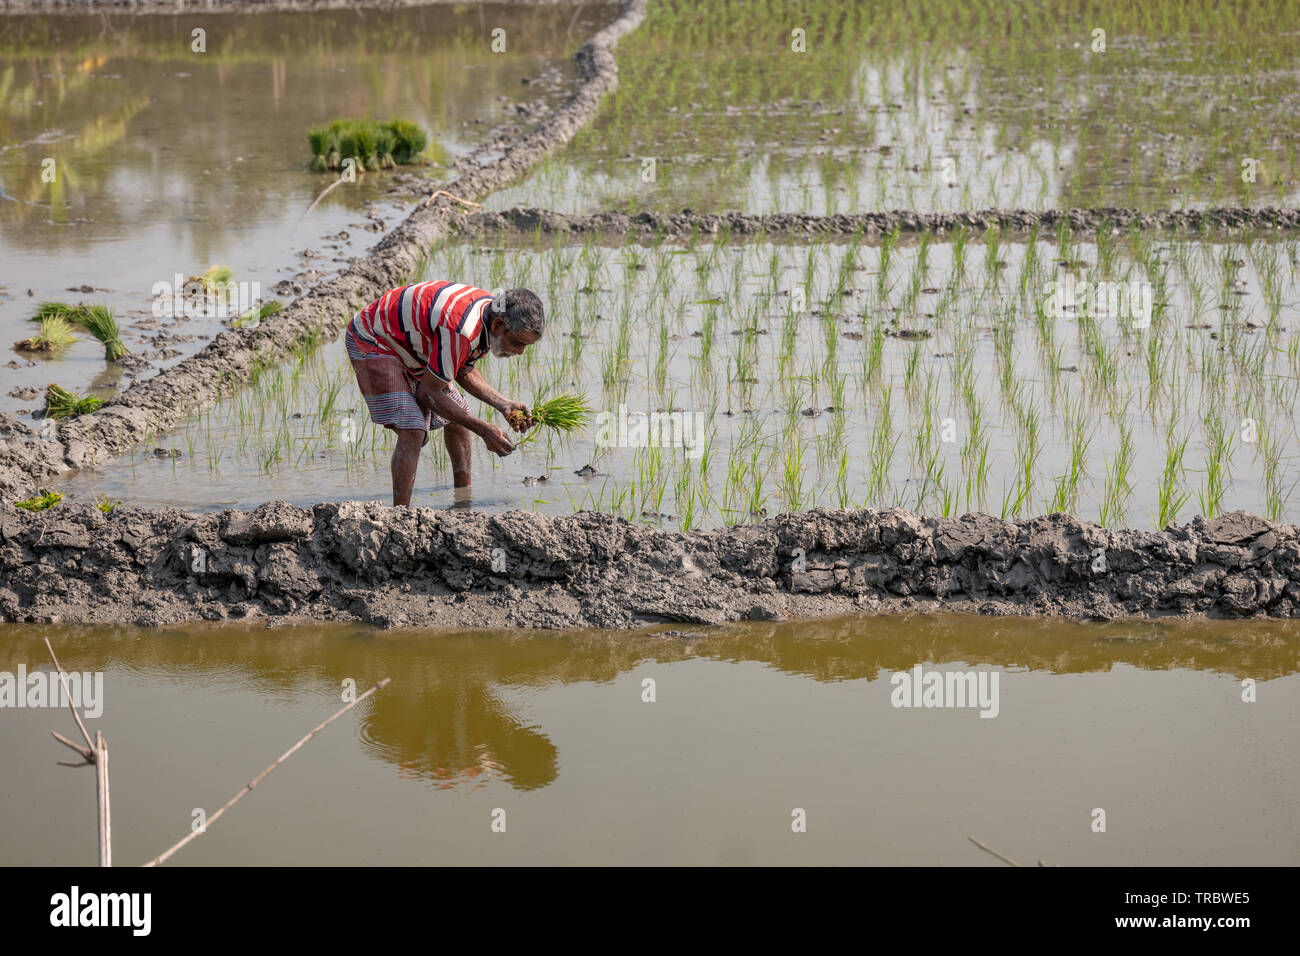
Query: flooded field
[(928, 106), (741, 379), (748, 724), (168, 160), (1132, 375)]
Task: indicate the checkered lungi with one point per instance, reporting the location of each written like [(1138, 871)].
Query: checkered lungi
[(389, 388)]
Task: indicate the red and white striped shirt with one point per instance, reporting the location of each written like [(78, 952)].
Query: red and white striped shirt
[(439, 326)]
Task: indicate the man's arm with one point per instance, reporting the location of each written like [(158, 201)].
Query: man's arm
[(472, 381), (433, 393)]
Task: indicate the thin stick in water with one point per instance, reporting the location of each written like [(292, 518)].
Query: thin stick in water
[(261, 776)]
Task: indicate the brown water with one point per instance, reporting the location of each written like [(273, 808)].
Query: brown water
[(1145, 721), (168, 161)]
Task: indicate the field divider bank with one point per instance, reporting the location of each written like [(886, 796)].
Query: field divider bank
[(393, 567), (1012, 223)]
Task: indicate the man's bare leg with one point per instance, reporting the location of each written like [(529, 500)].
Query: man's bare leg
[(406, 456), (459, 448)]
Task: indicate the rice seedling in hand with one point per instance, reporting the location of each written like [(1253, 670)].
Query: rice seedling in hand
[(98, 320), (61, 403), (55, 334), (564, 413)]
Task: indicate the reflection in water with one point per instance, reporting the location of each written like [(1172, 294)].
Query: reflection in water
[(447, 716)]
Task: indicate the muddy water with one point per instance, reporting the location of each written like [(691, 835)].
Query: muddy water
[(1144, 721), (168, 160), (781, 410)]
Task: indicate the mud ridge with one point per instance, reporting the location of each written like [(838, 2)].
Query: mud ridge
[(649, 226), (164, 401), (365, 561)]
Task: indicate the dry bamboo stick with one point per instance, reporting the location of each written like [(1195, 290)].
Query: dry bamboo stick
[(68, 697), (105, 827), (987, 849), (261, 776)]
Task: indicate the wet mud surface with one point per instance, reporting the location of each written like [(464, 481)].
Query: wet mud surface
[(364, 561)]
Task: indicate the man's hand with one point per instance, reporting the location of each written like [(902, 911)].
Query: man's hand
[(497, 441), (518, 415)]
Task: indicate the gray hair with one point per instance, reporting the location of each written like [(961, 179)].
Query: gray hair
[(521, 309)]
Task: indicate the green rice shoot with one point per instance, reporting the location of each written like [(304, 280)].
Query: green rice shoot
[(46, 499), (55, 334), (61, 403), (99, 321)]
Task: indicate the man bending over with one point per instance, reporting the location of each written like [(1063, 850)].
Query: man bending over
[(409, 346)]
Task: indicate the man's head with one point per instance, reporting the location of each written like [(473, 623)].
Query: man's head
[(516, 320)]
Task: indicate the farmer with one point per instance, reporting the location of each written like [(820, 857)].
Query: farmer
[(409, 346)]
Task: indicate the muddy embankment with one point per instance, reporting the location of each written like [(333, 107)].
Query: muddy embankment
[(648, 226), (396, 566), (27, 461)]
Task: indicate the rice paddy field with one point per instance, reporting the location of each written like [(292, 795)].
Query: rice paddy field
[(733, 380), (935, 106)]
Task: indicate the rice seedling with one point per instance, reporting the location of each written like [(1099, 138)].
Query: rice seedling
[(105, 505), (373, 145), (563, 413), (254, 316), (54, 310), (40, 502), (61, 403), (55, 335), (100, 322), (1172, 498)]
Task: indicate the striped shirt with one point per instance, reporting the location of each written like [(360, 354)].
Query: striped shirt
[(437, 326)]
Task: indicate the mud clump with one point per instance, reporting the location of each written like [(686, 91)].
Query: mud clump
[(364, 561), (650, 226)]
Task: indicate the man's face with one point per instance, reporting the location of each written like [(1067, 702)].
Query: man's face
[(503, 343)]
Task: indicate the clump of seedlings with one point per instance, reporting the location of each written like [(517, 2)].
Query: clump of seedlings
[(563, 413), (373, 145), (100, 322), (254, 316), (55, 335), (40, 502), (56, 317), (61, 403)]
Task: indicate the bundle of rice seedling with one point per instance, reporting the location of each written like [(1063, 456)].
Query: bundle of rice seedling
[(60, 403), (54, 310), (565, 413), (372, 144), (55, 334), (217, 278), (98, 320), (254, 317)]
